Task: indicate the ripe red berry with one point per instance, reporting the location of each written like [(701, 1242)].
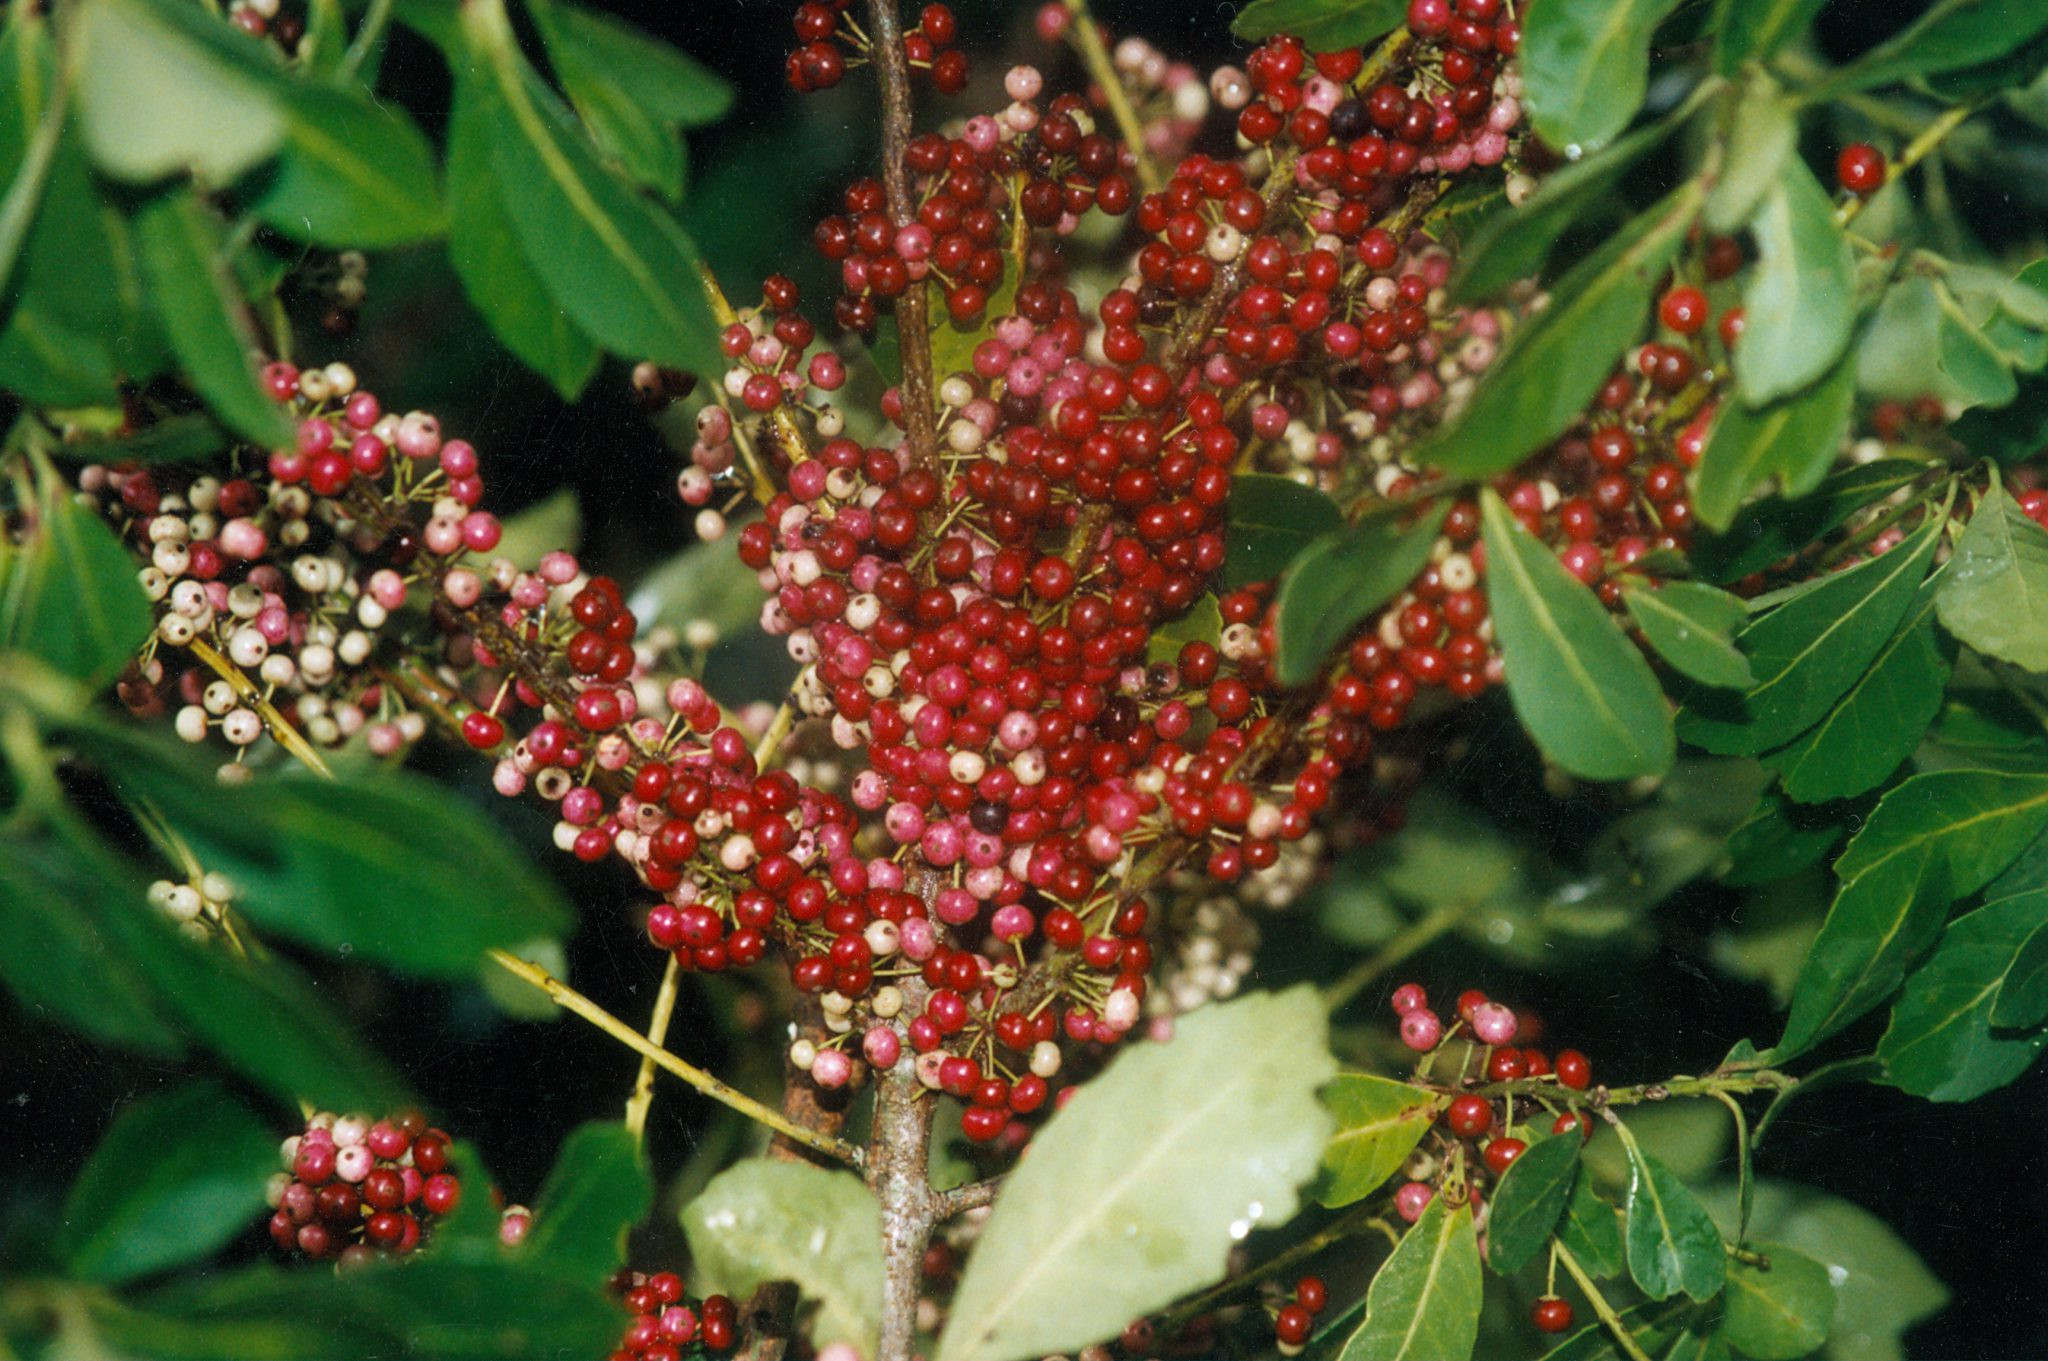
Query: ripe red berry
[(1500, 1154), (1574, 1070), (1311, 1294), (1469, 1116), (1860, 169), (1292, 1324), (1551, 1314), (1683, 309)]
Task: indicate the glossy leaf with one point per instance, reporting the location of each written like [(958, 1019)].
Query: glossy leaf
[(165, 88), (765, 1220), (1933, 839), (599, 1189), (491, 261), (2023, 997), (1952, 34), (1808, 652), (1585, 65), (1529, 1201), (1801, 300), (627, 277), (1779, 1313), (382, 865), (68, 596), (1339, 580), (352, 173), (1995, 598), (1780, 838), (1881, 719), (1763, 132), (1515, 244), (1136, 1189), (178, 243), (175, 1178), (953, 345), (1379, 1122), (673, 87), (1590, 1229), (1672, 1243), (1942, 1043), (1202, 623), (1881, 1287), (1272, 521), (1768, 531), (1554, 363), (59, 962), (189, 438), (1322, 25), (1754, 30), (1424, 1302), (1793, 442), (1582, 690), (1690, 626)]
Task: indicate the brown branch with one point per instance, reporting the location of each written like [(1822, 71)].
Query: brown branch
[(896, 1168), (913, 328)]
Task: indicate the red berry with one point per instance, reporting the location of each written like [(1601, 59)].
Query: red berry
[(1574, 1070), (1469, 1116), (1500, 1154), (1683, 309), (1292, 1325), (1311, 1294), (1861, 169), (1551, 1314)]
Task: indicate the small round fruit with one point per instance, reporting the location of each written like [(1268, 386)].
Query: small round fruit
[(1469, 1116), (1500, 1154), (1574, 1070), (1551, 1314), (1861, 169)]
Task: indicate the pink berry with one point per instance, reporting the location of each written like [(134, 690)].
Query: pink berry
[(1420, 1030), (1493, 1023), (1408, 997)]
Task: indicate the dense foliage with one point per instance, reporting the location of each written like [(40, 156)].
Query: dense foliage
[(1194, 568)]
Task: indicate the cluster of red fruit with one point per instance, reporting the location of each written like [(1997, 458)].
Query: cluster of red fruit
[(1296, 1319), (827, 32), (353, 1187), (667, 1325)]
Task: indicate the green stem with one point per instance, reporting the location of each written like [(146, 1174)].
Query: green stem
[(375, 20), (1354, 1222), (1416, 936), (1623, 1338)]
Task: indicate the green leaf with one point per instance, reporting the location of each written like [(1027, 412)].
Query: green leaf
[(642, 145), (1585, 65), (765, 1220), (2023, 998), (1763, 133), (1689, 625), (69, 595), (1881, 719), (1514, 245), (704, 581), (1272, 521), (1880, 1287), (1995, 598), (1530, 1200), (1976, 370), (953, 345), (1672, 1242), (178, 242), (1201, 623), (1136, 1189), (1654, 1324), (1794, 440), (1323, 25), (626, 275), (1557, 360), (473, 1302), (1922, 339), (1951, 35), (1807, 652), (1941, 1043), (1754, 30), (1779, 838), (1933, 839), (60, 962), (492, 263), (673, 87), (353, 173), (1779, 1313), (1578, 685), (599, 1189), (190, 438), (1769, 531), (1801, 301), (1424, 1302), (1590, 1228), (1340, 579), (1379, 1123), (165, 88), (383, 865), (554, 522), (176, 1178)]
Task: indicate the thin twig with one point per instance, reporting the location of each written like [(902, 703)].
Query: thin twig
[(1416, 936), (657, 1035), (1623, 1338), (1095, 56), (246, 690), (570, 1000)]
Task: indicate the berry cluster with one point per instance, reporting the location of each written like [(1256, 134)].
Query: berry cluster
[(831, 40), (667, 1325), (353, 1187), (1296, 1319)]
